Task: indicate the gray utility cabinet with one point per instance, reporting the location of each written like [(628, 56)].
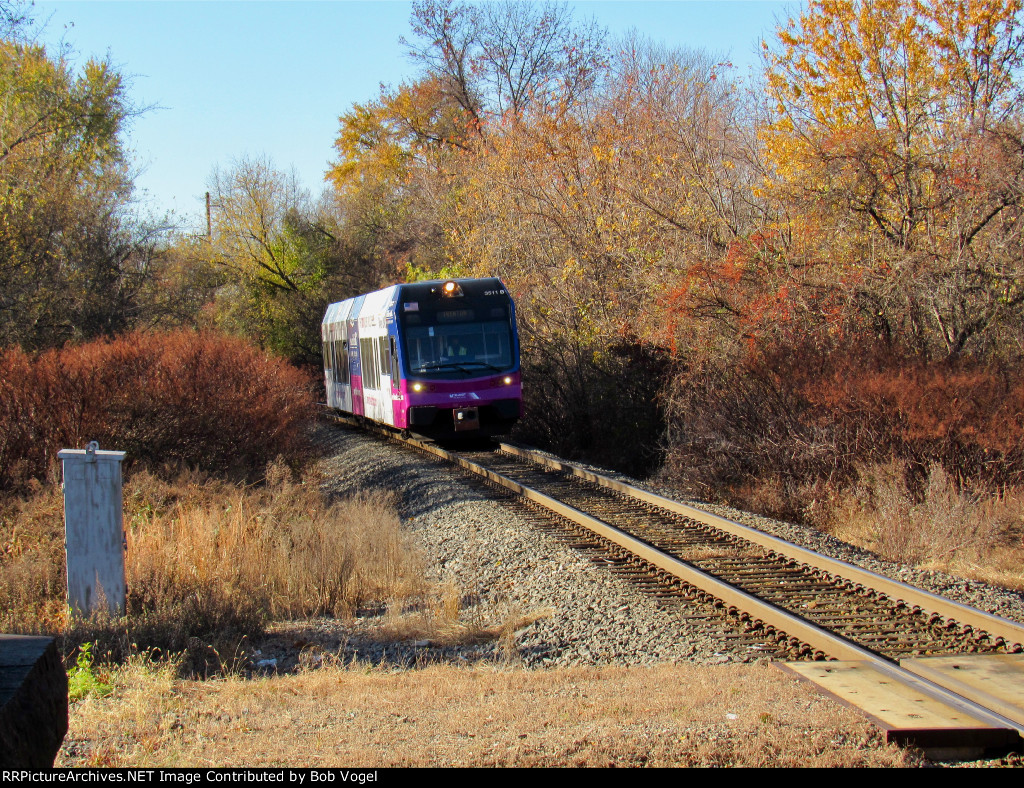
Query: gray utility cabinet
[(94, 528)]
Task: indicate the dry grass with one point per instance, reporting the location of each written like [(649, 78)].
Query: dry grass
[(446, 716), (210, 564), (33, 585), (211, 561), (971, 535), (280, 549), (936, 525), (440, 619)]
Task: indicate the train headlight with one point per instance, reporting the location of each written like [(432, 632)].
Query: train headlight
[(451, 289), (418, 387), (508, 380)]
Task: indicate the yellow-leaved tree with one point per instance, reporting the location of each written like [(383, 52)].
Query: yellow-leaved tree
[(896, 148)]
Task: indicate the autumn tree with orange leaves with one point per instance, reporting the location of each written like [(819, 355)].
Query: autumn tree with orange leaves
[(402, 157), (591, 211)]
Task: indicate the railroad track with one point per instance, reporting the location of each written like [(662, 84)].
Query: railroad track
[(892, 619), (759, 592)]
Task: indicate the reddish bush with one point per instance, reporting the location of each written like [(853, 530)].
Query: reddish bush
[(965, 415), (805, 415), (204, 400)]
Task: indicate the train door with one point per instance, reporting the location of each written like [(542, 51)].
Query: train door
[(368, 350), (343, 382), (336, 377), (354, 359), (339, 357), (398, 404), (387, 414), (325, 333)]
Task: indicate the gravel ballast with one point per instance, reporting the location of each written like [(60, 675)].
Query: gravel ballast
[(505, 567)]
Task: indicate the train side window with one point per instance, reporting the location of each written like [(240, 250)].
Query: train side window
[(339, 367), (369, 364), (394, 361), (382, 350), (343, 362)]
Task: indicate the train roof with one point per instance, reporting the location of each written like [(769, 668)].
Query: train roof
[(471, 287), (409, 291)]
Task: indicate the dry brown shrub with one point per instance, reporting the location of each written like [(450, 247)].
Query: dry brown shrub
[(963, 414), (945, 527), (196, 399), (920, 462)]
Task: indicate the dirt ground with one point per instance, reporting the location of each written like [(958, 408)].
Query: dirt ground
[(450, 716)]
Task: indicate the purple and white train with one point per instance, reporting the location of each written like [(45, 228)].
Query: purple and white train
[(437, 358)]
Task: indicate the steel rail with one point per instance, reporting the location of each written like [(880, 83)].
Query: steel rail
[(994, 625)]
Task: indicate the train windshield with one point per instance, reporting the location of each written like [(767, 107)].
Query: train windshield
[(470, 347)]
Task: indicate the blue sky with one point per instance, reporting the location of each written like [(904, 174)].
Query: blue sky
[(270, 78)]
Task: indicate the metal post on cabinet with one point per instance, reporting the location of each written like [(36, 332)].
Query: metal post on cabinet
[(94, 528)]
